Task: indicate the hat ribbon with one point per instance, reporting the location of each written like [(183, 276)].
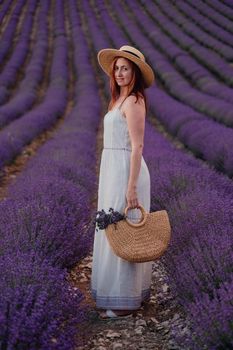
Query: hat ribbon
[(131, 53)]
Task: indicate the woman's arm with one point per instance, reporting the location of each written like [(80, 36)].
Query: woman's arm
[(135, 116)]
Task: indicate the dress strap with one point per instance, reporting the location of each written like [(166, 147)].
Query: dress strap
[(122, 102)]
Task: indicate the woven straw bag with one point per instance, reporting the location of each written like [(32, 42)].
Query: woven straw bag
[(144, 241)]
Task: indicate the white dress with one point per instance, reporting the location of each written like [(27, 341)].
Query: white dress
[(115, 282)]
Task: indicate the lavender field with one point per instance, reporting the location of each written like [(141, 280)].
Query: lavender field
[(53, 97)]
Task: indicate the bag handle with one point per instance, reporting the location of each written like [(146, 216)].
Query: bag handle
[(142, 220)]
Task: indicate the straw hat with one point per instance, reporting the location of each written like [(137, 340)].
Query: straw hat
[(106, 56)]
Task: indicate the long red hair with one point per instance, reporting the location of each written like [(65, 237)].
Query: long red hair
[(136, 86)]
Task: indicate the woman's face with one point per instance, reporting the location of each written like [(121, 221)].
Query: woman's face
[(123, 71)]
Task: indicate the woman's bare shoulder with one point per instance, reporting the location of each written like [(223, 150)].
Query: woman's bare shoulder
[(132, 102)]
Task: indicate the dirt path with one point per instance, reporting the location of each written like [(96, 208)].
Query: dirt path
[(151, 328)]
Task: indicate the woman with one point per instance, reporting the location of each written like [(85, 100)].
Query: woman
[(124, 180)]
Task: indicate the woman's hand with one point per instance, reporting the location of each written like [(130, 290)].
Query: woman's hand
[(132, 198)]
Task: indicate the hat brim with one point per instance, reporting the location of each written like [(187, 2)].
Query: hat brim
[(106, 56)]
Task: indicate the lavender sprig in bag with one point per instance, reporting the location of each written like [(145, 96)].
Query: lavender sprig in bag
[(103, 219)]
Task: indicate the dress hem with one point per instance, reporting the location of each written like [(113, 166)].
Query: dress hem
[(118, 303)]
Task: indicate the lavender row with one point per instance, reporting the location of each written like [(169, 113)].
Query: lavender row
[(221, 8), (205, 138), (7, 37), (198, 260), (44, 222), (4, 8), (204, 22), (192, 30), (10, 70), (23, 130), (208, 58), (64, 167), (192, 128), (194, 197), (215, 16), (27, 91), (228, 3), (211, 60), (199, 76), (38, 310)]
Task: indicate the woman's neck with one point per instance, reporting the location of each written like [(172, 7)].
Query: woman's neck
[(123, 92)]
